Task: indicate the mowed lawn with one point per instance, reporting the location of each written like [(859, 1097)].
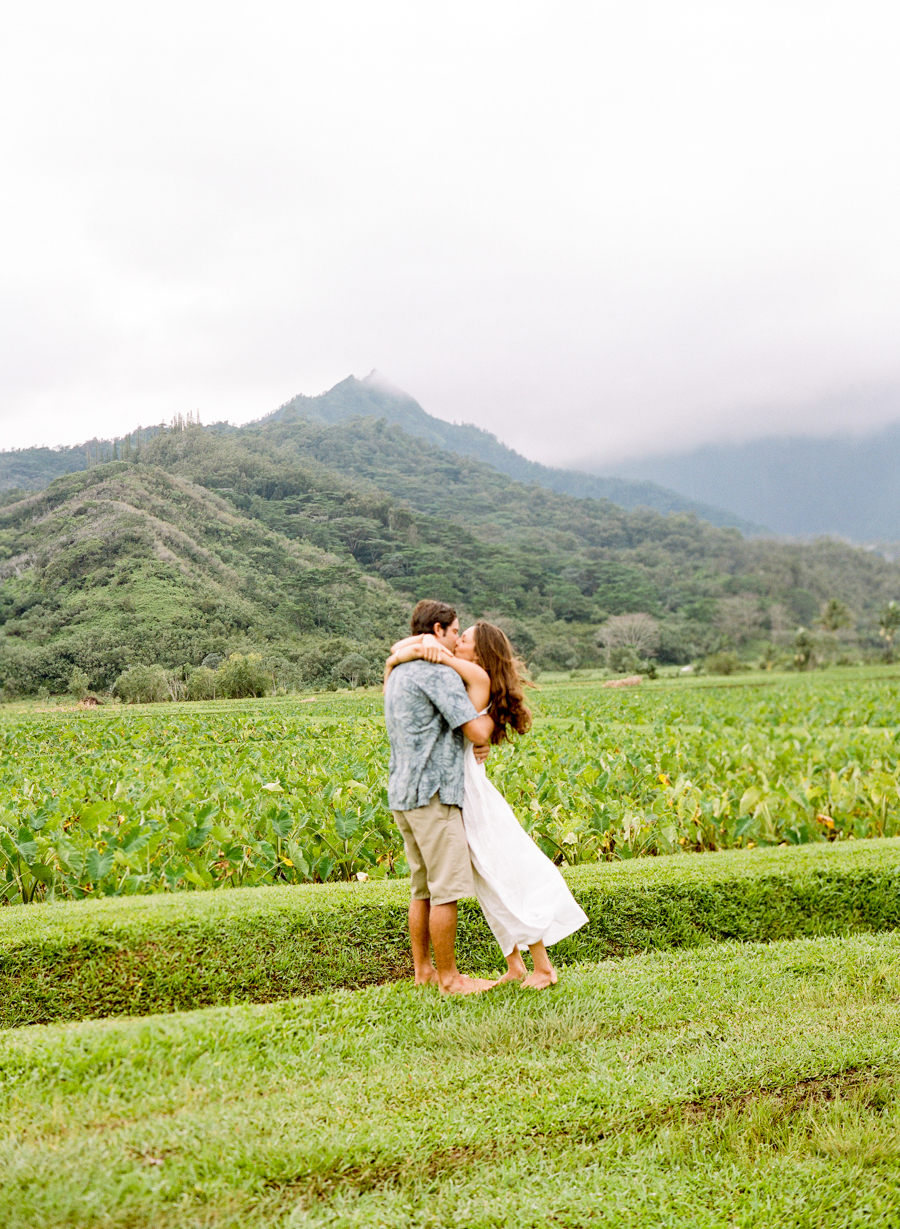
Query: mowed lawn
[(732, 1085)]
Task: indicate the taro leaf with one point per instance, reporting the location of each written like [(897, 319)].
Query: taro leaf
[(136, 843), (346, 823), (90, 816), (301, 865), (281, 824), (205, 812), (97, 865), (743, 826), (71, 859), (196, 836), (42, 872), (26, 846), (8, 845)]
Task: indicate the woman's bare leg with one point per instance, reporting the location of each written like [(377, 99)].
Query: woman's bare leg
[(544, 974), (515, 967)]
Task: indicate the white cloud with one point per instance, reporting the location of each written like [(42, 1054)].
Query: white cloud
[(590, 228)]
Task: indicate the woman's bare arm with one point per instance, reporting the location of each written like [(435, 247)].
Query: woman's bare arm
[(413, 648), (476, 679), (407, 640)]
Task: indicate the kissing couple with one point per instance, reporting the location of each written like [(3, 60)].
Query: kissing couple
[(447, 698)]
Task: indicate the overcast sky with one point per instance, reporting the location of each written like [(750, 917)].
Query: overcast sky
[(596, 229)]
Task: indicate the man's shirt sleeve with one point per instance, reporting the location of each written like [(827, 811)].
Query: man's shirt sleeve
[(447, 692)]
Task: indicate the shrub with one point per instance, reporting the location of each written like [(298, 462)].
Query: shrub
[(625, 659), (78, 684), (202, 684), (142, 685), (723, 662), (556, 655), (243, 676)]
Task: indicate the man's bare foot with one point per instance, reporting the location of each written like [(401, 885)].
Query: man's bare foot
[(541, 979), (466, 985), (427, 977)]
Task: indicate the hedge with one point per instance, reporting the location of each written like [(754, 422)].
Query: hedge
[(148, 954)]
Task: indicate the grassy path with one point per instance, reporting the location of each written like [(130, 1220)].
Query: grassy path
[(729, 1086)]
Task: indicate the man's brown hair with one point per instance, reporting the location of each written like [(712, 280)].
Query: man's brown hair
[(427, 613)]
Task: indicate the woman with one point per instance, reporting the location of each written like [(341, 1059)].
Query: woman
[(523, 895)]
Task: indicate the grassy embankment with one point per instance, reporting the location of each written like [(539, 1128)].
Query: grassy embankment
[(144, 954), (731, 1087)]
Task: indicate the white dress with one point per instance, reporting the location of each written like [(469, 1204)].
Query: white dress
[(524, 897)]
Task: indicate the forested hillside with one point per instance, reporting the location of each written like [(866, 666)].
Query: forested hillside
[(308, 543), (371, 398), (31, 469), (126, 563)]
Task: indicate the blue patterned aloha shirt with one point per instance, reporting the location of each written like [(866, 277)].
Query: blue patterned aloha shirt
[(424, 706)]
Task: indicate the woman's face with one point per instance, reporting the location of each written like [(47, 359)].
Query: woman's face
[(465, 646)]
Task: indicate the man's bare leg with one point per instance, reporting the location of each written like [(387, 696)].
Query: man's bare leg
[(420, 941), (515, 967), (544, 974), (442, 924)]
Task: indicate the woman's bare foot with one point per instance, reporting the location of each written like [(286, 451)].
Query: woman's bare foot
[(540, 979), (461, 984), (516, 970)]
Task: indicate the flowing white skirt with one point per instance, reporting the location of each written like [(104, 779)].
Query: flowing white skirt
[(522, 894)]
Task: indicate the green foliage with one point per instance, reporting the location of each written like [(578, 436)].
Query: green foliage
[(724, 662), (888, 623), (625, 659), (352, 669), (78, 684), (217, 795), (202, 684), (804, 650), (142, 685), (835, 615), (290, 532), (243, 676), (131, 566)]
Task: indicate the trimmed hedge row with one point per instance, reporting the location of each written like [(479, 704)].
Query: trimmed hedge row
[(151, 954)]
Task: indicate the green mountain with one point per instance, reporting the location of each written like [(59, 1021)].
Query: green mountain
[(30, 469), (372, 398), (127, 563), (308, 542)]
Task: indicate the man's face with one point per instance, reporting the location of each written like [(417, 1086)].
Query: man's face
[(448, 636)]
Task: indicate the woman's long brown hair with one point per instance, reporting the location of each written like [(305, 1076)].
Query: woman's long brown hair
[(507, 707)]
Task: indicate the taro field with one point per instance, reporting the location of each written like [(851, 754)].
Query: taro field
[(292, 790)]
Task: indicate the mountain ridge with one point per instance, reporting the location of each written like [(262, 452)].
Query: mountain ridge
[(841, 484), (371, 397)]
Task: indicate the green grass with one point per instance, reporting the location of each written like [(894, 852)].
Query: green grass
[(730, 1087), (169, 952)]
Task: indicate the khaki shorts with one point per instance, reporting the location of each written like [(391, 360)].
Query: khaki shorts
[(437, 852)]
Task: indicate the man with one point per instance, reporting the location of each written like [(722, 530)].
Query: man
[(428, 716)]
